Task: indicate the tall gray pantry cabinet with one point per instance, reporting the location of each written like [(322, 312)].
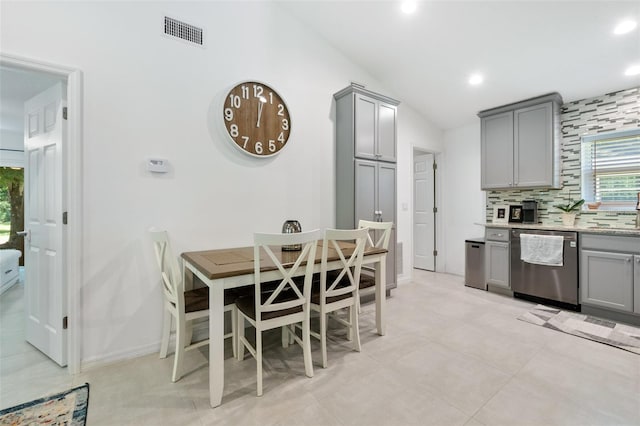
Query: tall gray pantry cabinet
[(366, 124)]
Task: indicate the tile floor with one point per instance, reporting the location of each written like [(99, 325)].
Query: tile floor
[(452, 356)]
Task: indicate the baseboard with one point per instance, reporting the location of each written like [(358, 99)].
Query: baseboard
[(200, 332)]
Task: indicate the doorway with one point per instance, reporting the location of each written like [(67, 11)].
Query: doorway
[(425, 210), (21, 80)]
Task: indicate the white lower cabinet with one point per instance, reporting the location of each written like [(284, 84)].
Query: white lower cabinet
[(497, 263)]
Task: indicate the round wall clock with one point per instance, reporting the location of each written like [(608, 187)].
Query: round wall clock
[(256, 119)]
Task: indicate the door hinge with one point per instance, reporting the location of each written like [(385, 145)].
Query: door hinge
[(64, 218), (435, 252), (65, 323), (64, 113), (435, 166), (435, 210)]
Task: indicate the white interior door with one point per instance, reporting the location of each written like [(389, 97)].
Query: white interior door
[(423, 212), (45, 291)]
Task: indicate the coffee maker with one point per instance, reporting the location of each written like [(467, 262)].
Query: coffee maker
[(529, 211)]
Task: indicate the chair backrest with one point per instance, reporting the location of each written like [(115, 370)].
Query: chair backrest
[(350, 259), (382, 241), (289, 264), (169, 267)]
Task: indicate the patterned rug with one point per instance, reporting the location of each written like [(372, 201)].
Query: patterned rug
[(65, 408), (597, 329)]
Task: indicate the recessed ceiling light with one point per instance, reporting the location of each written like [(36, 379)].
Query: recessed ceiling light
[(625, 27), (409, 6), (632, 70), (476, 79)]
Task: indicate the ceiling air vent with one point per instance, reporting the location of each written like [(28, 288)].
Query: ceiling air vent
[(182, 30)]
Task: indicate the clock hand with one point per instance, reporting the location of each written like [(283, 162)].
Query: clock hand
[(261, 103)]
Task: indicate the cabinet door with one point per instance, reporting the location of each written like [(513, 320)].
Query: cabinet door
[(365, 191), (533, 146), (386, 143), (497, 263), (497, 151), (606, 279), (365, 127), (636, 284), (386, 192), (386, 206)]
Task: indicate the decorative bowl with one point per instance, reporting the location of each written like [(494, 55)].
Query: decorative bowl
[(593, 206)]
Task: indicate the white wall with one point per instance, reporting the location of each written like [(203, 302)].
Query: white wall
[(424, 136), (463, 201), (11, 147), (148, 95)]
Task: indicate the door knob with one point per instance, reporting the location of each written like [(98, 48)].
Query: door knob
[(26, 234)]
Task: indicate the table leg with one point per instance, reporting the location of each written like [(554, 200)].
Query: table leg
[(216, 341), (381, 294)]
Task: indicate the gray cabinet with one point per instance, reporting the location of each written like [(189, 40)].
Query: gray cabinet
[(520, 144), (365, 168), (497, 257), (371, 121), (610, 272), (636, 284), (607, 280)]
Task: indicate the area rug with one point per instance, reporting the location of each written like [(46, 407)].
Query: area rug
[(66, 408), (597, 329)]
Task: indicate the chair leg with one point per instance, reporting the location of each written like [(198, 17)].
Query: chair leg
[(166, 333), (259, 360), (355, 331), (179, 355), (234, 331), (284, 336), (306, 347), (323, 338), (188, 337), (239, 339)]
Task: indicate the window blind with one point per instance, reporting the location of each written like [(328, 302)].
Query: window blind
[(611, 169)]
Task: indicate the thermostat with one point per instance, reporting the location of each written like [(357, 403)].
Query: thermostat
[(158, 165)]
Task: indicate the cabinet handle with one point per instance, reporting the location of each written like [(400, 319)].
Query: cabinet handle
[(628, 259)]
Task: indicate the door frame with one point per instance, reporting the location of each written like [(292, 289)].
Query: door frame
[(439, 261), (72, 193)]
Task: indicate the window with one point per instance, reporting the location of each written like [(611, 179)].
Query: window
[(611, 169)]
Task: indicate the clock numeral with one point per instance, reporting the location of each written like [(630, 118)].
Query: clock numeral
[(258, 147), (234, 130), (271, 98), (285, 124), (257, 91), (235, 101), (245, 92), (281, 110), (246, 141), (281, 137), (228, 114), (272, 145)]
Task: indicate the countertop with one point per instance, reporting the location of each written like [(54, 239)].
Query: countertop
[(633, 232)]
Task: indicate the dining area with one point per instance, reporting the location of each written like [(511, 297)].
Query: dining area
[(292, 287)]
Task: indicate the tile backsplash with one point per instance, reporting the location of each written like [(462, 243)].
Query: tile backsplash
[(611, 112)]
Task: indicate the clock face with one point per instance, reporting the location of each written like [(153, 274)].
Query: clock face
[(256, 118)]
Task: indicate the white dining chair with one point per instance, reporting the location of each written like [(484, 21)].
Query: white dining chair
[(287, 303), (381, 235), (339, 289), (183, 306)]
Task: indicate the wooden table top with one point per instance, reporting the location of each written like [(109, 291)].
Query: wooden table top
[(224, 263)]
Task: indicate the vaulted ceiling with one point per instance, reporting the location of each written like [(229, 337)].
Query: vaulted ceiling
[(523, 49)]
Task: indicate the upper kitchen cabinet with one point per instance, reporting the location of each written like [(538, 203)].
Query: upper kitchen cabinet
[(367, 123), (521, 144)]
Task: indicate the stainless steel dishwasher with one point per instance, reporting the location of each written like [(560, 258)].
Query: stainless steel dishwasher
[(547, 283)]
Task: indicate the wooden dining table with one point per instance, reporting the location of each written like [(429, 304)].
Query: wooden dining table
[(231, 268)]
